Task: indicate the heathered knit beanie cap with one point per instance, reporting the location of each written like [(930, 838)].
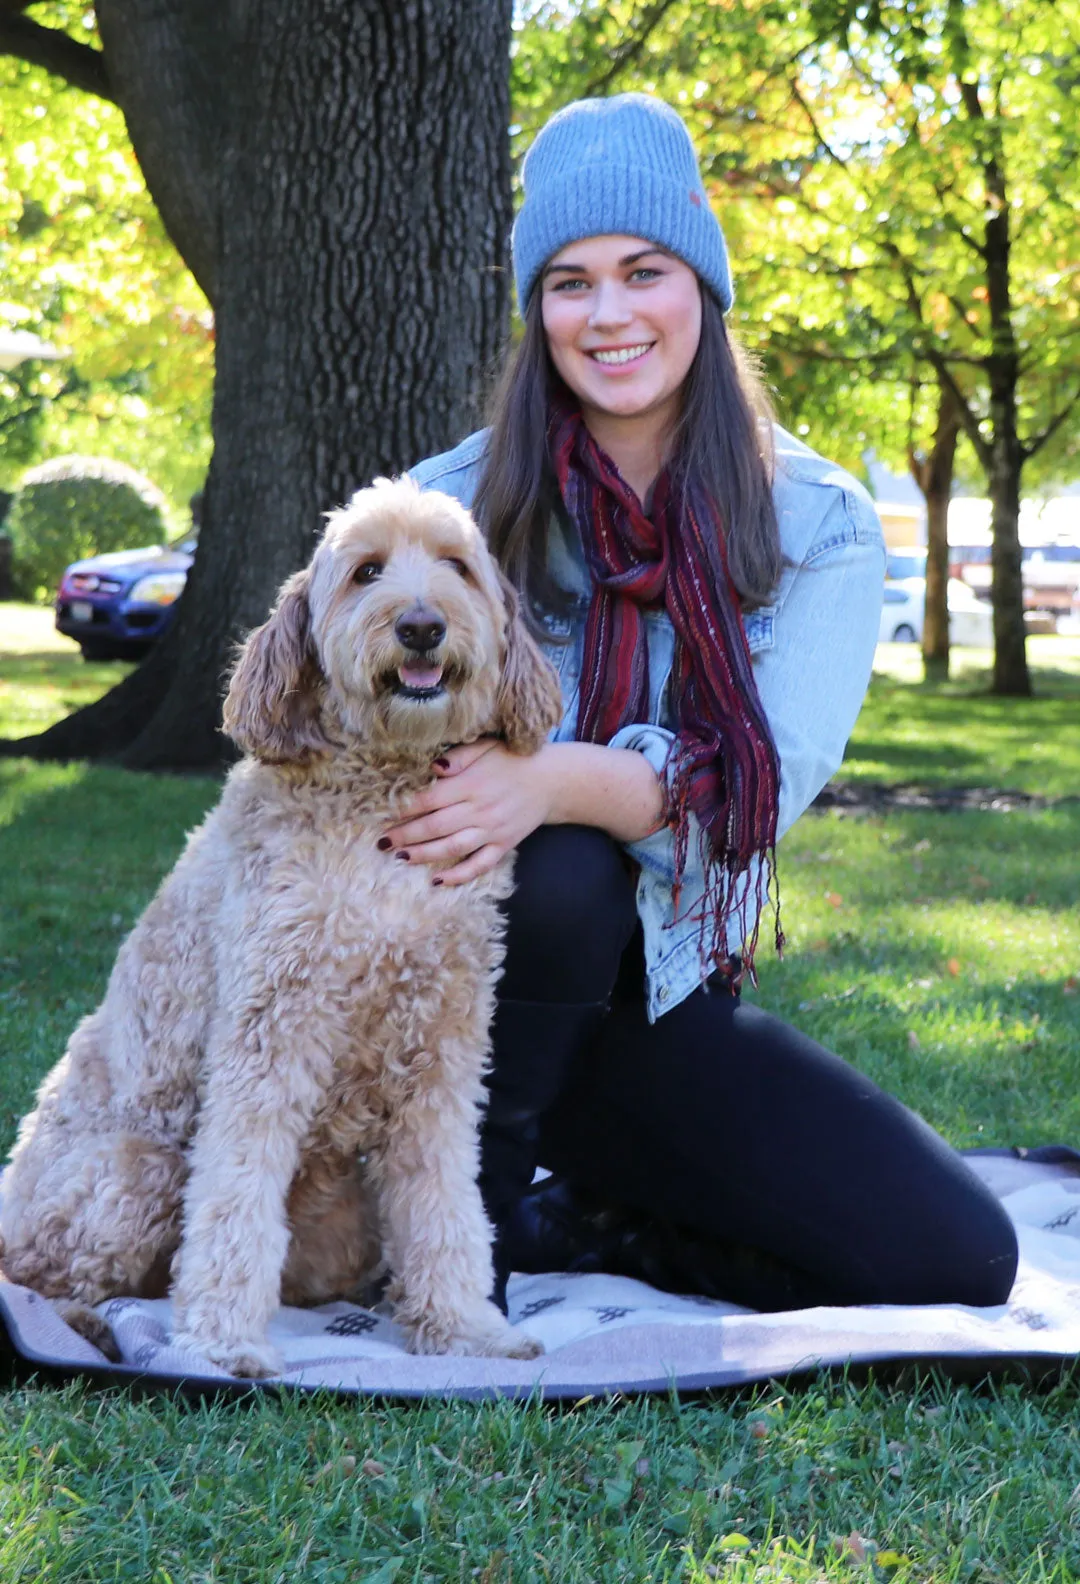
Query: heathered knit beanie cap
[(625, 167)]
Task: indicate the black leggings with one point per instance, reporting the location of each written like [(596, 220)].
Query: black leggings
[(722, 1119)]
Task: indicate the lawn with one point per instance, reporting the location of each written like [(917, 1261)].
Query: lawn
[(939, 952)]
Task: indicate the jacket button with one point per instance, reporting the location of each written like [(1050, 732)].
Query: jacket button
[(664, 993)]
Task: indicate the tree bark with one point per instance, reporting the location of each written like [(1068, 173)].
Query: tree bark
[(934, 475), (1006, 453), (358, 156)]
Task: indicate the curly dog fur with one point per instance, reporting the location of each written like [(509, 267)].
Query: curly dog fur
[(282, 1086)]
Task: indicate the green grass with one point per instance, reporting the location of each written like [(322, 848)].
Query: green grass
[(957, 733), (43, 676), (939, 952)]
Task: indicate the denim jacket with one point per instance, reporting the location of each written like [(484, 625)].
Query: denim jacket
[(812, 649)]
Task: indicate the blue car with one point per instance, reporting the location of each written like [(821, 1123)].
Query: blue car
[(117, 605)]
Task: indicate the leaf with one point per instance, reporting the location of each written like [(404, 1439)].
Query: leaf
[(734, 1542), (953, 965), (834, 899), (617, 1492)]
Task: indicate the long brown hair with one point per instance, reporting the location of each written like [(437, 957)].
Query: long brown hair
[(722, 445)]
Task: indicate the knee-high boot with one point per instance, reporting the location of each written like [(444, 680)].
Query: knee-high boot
[(535, 1045)]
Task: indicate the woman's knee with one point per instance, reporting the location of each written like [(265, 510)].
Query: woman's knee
[(570, 917), (972, 1256)]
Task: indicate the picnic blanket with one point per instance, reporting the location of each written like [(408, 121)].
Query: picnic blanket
[(609, 1333)]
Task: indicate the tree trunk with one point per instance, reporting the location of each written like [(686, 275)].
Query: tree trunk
[(361, 193), (934, 475)]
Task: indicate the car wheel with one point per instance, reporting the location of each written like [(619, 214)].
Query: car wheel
[(905, 633)]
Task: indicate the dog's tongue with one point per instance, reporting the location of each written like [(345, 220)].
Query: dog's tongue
[(417, 675)]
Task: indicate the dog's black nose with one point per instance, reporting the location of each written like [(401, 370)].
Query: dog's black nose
[(420, 629)]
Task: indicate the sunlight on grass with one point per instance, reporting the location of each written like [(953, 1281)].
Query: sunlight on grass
[(957, 733), (43, 676)]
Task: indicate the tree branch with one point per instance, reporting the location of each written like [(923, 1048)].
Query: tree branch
[(56, 52), (630, 49), (1034, 446)]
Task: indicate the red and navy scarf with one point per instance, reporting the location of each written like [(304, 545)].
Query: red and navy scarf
[(723, 766)]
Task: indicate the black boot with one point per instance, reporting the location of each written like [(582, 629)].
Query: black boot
[(556, 1227), (535, 1044)]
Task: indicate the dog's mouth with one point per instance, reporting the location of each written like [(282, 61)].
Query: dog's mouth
[(420, 679)]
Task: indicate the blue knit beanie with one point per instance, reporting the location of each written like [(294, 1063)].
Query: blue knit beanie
[(625, 167)]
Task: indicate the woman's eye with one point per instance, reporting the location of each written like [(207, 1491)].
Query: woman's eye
[(645, 273), (459, 566), (568, 285), (367, 572)]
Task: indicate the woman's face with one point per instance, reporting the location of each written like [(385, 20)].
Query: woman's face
[(623, 320)]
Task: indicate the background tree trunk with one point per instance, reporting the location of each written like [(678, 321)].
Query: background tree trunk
[(934, 475), (357, 155)]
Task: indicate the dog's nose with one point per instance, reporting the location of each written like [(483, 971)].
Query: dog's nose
[(420, 628)]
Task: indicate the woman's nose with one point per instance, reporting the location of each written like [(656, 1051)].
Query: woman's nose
[(610, 306)]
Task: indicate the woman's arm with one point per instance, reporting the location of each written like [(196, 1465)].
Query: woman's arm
[(485, 800)]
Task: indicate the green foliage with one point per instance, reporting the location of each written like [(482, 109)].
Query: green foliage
[(87, 265), (856, 155), (74, 507)]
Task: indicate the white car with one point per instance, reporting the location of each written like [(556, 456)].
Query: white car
[(971, 621)]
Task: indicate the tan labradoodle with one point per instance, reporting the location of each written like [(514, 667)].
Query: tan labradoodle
[(294, 1001)]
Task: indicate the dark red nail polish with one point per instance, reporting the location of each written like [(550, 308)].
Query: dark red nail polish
[(443, 764), (402, 854), (384, 844), (437, 880)]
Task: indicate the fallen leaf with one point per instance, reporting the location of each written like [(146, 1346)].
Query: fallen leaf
[(855, 1547), (343, 1467), (922, 846), (759, 1429), (372, 1468), (953, 965), (834, 899)]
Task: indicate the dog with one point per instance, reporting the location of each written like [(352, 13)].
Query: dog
[(281, 1090)]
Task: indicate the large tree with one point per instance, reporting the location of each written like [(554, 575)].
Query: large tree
[(335, 174)]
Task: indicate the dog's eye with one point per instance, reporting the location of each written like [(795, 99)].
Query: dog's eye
[(459, 566), (367, 572)]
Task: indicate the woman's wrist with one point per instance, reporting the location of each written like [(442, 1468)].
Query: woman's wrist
[(614, 789)]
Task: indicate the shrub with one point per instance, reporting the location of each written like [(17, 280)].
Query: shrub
[(74, 507)]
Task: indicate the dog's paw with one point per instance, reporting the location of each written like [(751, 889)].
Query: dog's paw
[(487, 1335), (89, 1324), (251, 1360)]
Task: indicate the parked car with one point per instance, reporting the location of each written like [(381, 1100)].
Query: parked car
[(116, 606), (971, 621)]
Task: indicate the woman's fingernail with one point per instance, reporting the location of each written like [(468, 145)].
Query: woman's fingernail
[(402, 854), (437, 880), (443, 764), (384, 844)]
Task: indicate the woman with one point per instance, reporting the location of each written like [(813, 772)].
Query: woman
[(709, 590)]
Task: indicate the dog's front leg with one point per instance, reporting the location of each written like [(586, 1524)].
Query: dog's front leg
[(438, 1237), (236, 1234)]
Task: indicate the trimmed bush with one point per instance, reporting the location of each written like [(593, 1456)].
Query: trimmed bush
[(74, 507)]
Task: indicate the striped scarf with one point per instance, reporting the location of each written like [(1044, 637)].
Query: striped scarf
[(723, 766)]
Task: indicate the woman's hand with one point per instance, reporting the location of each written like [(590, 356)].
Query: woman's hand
[(483, 802)]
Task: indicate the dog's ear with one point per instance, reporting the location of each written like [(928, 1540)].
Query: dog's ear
[(273, 706), (529, 703)]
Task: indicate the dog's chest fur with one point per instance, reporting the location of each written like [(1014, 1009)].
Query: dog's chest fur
[(384, 959)]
